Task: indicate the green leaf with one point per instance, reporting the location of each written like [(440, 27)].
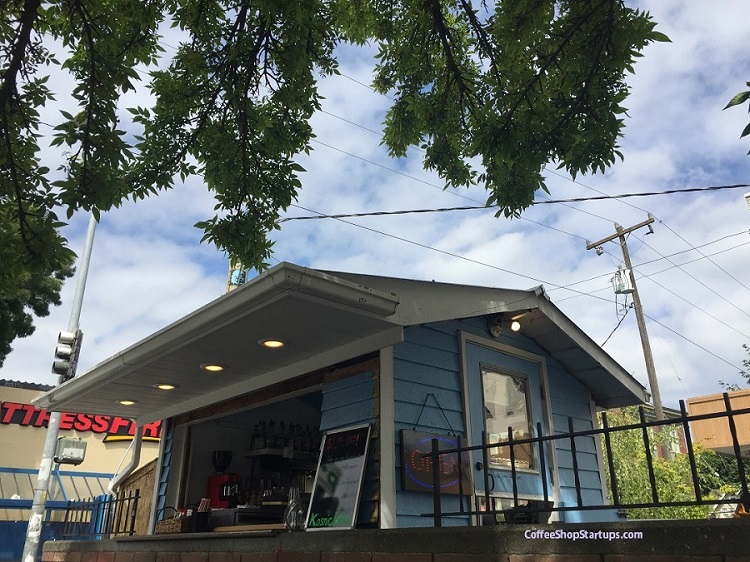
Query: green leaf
[(742, 97)]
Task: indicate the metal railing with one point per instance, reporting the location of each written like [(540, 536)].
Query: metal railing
[(539, 510), (18, 483), (101, 516)]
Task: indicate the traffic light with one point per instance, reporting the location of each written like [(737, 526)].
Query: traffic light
[(66, 354)]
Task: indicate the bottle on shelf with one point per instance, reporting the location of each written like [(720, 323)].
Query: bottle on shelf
[(290, 436), (262, 436), (297, 437), (306, 436), (271, 438), (258, 440)]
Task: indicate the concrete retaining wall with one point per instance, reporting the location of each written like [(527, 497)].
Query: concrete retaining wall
[(695, 541)]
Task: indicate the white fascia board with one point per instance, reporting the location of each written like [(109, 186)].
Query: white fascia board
[(592, 349)]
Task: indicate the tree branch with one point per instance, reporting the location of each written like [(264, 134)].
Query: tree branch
[(28, 18)]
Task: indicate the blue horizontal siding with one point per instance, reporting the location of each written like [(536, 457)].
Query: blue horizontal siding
[(353, 401), (428, 392), (570, 400), (424, 374), (429, 361), (440, 358), (412, 393)]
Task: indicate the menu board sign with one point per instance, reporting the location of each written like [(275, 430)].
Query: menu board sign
[(454, 471), (338, 479)]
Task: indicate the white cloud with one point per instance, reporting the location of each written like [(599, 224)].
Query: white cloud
[(149, 269)]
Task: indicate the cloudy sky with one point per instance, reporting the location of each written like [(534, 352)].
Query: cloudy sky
[(148, 267)]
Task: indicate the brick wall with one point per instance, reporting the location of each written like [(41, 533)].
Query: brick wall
[(676, 541)]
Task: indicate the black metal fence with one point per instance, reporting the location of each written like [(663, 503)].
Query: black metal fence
[(102, 516), (540, 509)]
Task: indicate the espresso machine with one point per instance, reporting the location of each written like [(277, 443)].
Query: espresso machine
[(224, 488)]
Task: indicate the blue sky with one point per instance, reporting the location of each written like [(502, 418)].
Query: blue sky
[(148, 267)]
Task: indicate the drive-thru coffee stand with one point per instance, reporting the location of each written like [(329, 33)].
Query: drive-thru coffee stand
[(333, 386)]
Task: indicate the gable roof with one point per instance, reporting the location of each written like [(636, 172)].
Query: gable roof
[(422, 302), (323, 318)]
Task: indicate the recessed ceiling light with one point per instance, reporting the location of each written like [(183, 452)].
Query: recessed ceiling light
[(271, 343), (165, 386), (127, 402), (212, 367)]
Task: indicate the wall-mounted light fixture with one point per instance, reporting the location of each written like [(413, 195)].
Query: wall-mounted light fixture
[(495, 325)]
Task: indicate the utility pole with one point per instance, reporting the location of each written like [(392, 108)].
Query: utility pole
[(36, 519), (648, 356)]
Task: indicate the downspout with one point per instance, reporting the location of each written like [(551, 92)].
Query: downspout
[(135, 458)]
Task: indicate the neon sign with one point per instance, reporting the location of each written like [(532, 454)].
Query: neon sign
[(454, 473)]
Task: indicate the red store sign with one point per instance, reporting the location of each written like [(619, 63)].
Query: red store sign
[(115, 427)]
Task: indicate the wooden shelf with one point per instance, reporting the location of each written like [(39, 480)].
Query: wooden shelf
[(268, 452)]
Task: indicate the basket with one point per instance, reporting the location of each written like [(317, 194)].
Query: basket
[(173, 525), (198, 522)]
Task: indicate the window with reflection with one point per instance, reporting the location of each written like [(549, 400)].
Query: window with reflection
[(506, 404)]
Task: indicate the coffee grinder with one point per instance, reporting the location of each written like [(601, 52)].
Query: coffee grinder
[(224, 488)]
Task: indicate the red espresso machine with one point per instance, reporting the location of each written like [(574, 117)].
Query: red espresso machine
[(224, 488)]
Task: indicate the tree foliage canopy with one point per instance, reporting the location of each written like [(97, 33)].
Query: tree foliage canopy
[(491, 93), (673, 477), (739, 99)]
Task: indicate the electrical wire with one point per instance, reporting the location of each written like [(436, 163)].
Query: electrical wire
[(695, 306), (638, 265), (617, 326), (451, 254), (710, 260), (679, 335), (479, 207), (565, 202)]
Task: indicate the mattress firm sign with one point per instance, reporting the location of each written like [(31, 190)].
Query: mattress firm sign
[(115, 428)]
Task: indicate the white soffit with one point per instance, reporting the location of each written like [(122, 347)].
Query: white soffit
[(320, 318)]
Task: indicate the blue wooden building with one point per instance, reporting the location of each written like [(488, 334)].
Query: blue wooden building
[(317, 351)]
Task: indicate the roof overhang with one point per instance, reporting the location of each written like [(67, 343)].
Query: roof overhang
[(323, 318), (610, 385), (320, 318)]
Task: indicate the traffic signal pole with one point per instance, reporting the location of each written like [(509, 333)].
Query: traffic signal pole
[(36, 519)]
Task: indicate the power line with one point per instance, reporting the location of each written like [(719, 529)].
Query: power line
[(692, 342), (478, 207), (615, 328), (683, 299), (497, 268), (564, 201), (709, 259), (445, 252), (638, 265)]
